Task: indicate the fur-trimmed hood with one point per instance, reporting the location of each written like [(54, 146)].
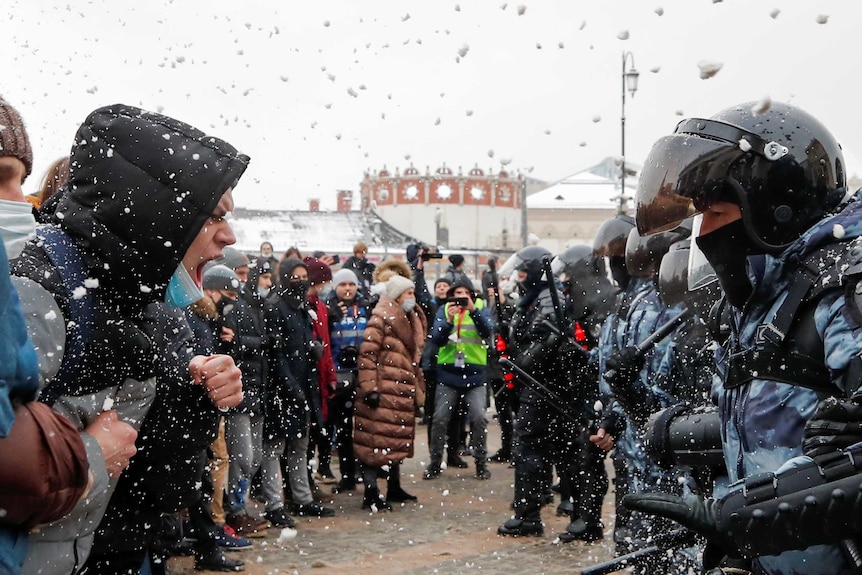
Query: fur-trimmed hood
[(389, 268)]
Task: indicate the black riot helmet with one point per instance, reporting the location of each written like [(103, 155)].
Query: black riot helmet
[(585, 280), (610, 242), (644, 253), (612, 235), (782, 167), (529, 260), (673, 273)]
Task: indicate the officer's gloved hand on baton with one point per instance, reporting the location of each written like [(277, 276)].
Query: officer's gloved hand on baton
[(623, 367), (835, 424), (692, 512)]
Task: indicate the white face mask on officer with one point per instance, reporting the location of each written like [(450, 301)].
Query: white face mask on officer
[(17, 226)]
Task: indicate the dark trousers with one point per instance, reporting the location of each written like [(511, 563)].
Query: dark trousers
[(532, 459), (341, 418), (503, 402), (456, 422), (589, 481)]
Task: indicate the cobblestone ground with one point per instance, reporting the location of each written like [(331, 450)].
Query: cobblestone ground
[(452, 529)]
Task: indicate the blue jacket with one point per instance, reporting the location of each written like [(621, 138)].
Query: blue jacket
[(346, 330), (763, 420), (19, 379)]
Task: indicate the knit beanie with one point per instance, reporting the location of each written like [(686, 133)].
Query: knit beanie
[(397, 285), (13, 136), (456, 259), (442, 280), (344, 276), (318, 272), (220, 277), (233, 258)]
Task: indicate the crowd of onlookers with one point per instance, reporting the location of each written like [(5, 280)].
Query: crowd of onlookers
[(119, 287)]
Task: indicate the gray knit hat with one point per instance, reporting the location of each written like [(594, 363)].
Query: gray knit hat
[(220, 277), (13, 136)]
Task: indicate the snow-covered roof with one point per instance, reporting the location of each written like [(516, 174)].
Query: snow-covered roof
[(331, 232), (595, 188), (583, 190)]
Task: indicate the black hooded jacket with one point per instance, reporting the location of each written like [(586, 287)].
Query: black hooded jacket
[(141, 188)]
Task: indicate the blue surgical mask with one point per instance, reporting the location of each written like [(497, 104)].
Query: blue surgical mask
[(17, 226), (182, 290)]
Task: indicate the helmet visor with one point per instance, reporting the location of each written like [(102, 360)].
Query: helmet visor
[(682, 175), (673, 274), (700, 271)]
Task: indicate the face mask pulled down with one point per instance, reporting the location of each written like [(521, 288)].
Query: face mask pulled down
[(17, 226), (182, 290)]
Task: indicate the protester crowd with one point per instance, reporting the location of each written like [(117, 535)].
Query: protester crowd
[(156, 381)]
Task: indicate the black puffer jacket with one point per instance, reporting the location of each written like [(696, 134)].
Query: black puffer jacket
[(122, 207), (141, 188), (292, 392)]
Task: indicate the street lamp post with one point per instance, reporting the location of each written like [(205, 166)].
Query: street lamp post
[(630, 83)]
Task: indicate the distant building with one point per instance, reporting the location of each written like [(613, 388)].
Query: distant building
[(454, 210), (570, 211)]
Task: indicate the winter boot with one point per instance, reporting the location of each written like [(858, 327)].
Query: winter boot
[(373, 501), (515, 527), (394, 493), (579, 530), (432, 471), (482, 471)]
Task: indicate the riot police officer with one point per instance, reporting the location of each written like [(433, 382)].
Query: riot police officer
[(782, 235), (533, 346), (628, 374), (590, 298)]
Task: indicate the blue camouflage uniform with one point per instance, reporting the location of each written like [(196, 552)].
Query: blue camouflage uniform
[(763, 420), (635, 471)]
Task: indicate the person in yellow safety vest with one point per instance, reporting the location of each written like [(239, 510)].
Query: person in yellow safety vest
[(461, 329)]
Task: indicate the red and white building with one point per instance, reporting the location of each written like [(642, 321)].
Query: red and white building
[(454, 210)]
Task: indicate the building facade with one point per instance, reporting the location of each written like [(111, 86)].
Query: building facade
[(453, 210)]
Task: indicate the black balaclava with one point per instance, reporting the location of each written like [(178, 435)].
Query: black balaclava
[(727, 249), (619, 272)]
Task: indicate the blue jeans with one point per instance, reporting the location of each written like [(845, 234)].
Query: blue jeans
[(445, 402)]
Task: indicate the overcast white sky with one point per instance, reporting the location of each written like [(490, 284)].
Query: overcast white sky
[(318, 92)]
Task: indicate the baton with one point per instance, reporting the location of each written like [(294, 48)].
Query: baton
[(551, 398), (659, 334)]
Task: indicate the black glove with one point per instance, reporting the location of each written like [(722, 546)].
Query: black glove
[(373, 400), (835, 424), (693, 512), (623, 367), (315, 350)]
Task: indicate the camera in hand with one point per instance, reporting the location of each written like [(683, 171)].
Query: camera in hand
[(431, 256), (336, 259), (461, 301)]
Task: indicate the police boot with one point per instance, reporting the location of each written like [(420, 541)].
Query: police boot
[(515, 527), (579, 530)]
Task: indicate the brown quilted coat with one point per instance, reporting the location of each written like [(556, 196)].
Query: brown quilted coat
[(389, 363)]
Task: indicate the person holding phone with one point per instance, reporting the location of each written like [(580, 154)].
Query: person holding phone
[(460, 329)]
